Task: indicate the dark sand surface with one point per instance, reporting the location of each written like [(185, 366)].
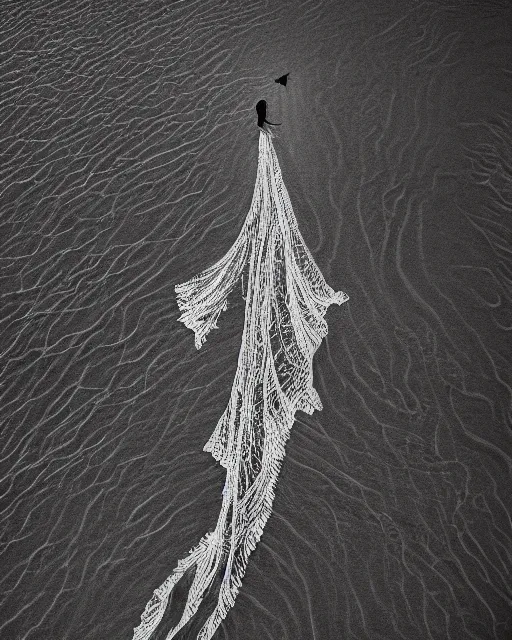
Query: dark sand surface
[(128, 159)]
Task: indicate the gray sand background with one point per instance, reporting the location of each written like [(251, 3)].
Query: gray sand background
[(128, 146)]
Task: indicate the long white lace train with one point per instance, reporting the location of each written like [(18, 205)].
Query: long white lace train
[(286, 301)]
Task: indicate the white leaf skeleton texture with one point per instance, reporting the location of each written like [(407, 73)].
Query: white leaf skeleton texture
[(286, 301)]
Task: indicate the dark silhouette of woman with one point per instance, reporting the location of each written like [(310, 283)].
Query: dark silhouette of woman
[(261, 110)]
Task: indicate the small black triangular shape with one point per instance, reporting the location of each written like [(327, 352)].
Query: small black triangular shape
[(283, 79)]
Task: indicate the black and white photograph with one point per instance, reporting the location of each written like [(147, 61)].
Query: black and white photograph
[(255, 320)]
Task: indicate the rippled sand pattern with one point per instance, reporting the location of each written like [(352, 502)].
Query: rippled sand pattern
[(128, 157)]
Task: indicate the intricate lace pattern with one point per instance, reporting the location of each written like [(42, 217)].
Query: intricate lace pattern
[(286, 301)]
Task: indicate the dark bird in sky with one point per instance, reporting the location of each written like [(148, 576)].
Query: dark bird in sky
[(261, 110), (283, 79)]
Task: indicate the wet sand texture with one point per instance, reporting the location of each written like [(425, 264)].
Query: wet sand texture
[(128, 157)]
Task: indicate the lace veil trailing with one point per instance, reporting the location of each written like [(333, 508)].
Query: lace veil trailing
[(286, 301)]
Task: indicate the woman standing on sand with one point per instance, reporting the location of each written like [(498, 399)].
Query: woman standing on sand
[(286, 300)]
